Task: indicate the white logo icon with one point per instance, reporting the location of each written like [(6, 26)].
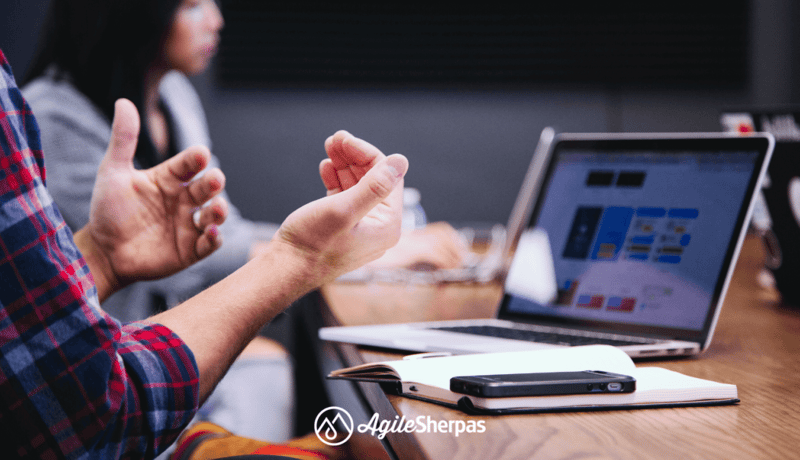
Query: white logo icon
[(326, 422)]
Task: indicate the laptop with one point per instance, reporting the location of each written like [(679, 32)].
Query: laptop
[(776, 216), (644, 232)]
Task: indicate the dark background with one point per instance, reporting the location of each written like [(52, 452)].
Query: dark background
[(462, 92)]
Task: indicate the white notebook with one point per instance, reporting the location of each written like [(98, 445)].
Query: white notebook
[(429, 379)]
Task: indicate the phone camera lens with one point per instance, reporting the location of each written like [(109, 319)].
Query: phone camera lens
[(590, 387), (603, 387)]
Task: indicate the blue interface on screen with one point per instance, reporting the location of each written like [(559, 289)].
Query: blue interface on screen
[(640, 238)]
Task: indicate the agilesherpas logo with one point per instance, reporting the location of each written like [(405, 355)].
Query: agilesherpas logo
[(325, 427), (326, 422)]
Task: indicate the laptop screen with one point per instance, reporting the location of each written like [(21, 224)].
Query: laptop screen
[(641, 231)]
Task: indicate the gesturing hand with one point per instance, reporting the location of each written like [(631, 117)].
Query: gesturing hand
[(141, 222), (359, 219)]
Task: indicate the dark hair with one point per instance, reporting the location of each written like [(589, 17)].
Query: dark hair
[(105, 47)]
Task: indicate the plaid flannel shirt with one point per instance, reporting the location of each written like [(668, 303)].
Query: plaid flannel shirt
[(74, 382)]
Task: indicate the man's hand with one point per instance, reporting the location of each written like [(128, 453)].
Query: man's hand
[(358, 220), (142, 224)]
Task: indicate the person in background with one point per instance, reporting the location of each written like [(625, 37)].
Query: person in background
[(93, 52)]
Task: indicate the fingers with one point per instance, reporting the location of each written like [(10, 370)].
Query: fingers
[(209, 241), (214, 214), (377, 186), (339, 163), (436, 246), (329, 177), (185, 165), (351, 157), (173, 174), (207, 220), (124, 133), (339, 148), (206, 187), (360, 152), (448, 239), (449, 257)]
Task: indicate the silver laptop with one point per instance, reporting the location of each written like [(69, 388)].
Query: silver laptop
[(645, 231)]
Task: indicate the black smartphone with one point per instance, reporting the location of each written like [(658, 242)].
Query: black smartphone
[(542, 384)]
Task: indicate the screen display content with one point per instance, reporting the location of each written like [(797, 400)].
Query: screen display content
[(638, 237)]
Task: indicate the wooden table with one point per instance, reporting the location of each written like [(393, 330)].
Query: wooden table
[(756, 346)]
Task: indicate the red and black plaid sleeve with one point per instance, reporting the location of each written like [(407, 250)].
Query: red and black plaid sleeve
[(74, 382)]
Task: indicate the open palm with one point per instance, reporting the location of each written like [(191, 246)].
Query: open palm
[(144, 221)]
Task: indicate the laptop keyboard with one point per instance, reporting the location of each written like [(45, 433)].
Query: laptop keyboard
[(554, 338)]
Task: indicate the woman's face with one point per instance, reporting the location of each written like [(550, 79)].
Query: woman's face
[(194, 35)]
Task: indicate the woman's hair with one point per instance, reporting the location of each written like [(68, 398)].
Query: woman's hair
[(105, 48)]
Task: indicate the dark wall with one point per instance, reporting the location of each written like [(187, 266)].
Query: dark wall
[(20, 21), (468, 149)]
